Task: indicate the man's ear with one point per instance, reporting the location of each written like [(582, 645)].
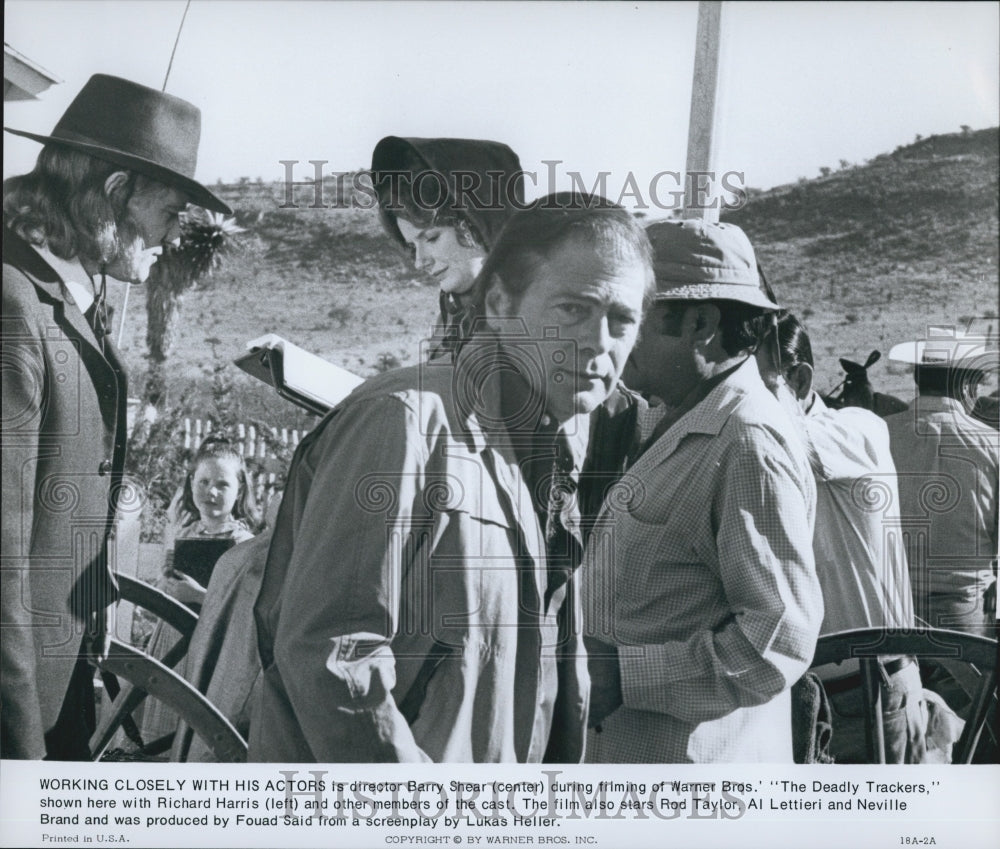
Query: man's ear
[(116, 182), (702, 321), (800, 379), (499, 304)]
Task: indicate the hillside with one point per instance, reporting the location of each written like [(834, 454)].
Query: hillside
[(872, 254), (868, 255)]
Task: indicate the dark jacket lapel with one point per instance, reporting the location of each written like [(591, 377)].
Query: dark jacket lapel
[(102, 362)]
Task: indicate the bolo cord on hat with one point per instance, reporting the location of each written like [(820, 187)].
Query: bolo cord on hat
[(99, 320), (99, 317)]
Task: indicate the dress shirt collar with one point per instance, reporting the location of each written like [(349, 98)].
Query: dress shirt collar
[(816, 406), (937, 404), (710, 414), (74, 277)]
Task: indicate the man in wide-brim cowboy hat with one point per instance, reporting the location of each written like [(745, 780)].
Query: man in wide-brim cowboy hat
[(102, 201), (949, 464)]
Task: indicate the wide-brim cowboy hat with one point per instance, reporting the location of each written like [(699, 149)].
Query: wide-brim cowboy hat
[(946, 348), (698, 260), (141, 129)]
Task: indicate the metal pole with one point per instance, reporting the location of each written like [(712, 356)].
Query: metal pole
[(700, 191)]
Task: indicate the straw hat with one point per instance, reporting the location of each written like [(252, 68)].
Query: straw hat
[(947, 347)]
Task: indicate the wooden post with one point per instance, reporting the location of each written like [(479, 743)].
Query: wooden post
[(701, 128)]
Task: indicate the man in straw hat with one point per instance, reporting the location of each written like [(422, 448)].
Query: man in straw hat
[(102, 200), (947, 462), (702, 604)]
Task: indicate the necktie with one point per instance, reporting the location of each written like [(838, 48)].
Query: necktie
[(98, 313), (563, 543)]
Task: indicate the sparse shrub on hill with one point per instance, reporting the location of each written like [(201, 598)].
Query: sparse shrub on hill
[(387, 362)]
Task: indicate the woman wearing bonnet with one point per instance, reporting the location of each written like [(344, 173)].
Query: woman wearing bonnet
[(444, 201)]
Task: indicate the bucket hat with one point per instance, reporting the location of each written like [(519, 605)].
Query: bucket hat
[(698, 260), (142, 129)]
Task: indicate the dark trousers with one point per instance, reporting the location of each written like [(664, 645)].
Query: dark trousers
[(69, 738)]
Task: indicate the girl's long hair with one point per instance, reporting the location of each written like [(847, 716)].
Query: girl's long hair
[(219, 446)]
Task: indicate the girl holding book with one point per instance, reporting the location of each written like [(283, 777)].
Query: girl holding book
[(216, 503)]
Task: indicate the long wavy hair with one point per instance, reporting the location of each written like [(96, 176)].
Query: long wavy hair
[(62, 204)]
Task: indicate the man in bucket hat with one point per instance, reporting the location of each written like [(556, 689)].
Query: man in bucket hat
[(101, 201), (702, 604)]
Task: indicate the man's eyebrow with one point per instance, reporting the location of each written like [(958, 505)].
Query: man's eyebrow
[(576, 295)]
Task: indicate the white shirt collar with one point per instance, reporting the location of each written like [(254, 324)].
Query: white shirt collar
[(78, 284)]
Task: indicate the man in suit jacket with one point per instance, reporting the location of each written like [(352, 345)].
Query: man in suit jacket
[(101, 201)]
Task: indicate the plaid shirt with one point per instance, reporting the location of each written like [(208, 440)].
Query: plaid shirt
[(701, 571)]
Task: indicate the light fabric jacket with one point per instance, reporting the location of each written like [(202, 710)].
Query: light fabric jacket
[(949, 479), (153, 717), (64, 410), (222, 660), (388, 614), (701, 571), (860, 556)]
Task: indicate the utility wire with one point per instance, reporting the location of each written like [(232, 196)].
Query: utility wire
[(176, 41)]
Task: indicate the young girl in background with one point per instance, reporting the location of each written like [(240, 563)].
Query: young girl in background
[(222, 660), (216, 503)]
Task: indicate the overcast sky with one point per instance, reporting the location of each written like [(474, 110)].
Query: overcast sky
[(598, 86)]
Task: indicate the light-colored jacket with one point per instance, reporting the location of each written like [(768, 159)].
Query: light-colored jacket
[(949, 480), (222, 660), (860, 557), (388, 619)]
